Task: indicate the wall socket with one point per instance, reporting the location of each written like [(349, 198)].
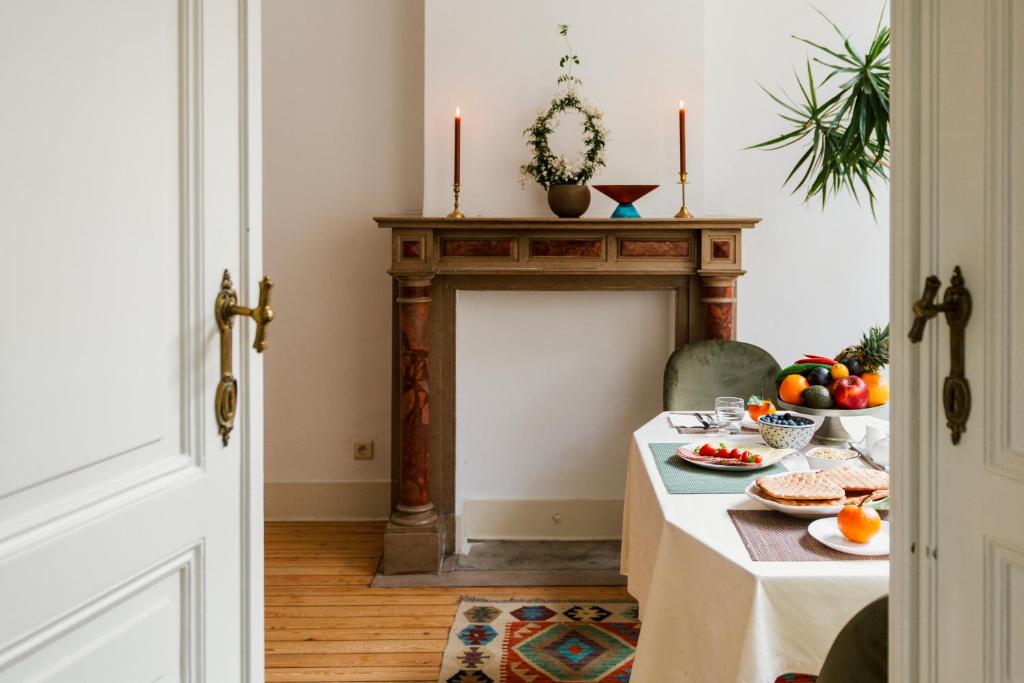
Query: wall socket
[(362, 450)]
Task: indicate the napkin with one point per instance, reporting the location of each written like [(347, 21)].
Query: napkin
[(684, 421)]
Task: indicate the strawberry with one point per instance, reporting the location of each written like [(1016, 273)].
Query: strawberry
[(707, 450)]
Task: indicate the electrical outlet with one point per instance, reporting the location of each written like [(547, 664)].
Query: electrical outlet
[(362, 450)]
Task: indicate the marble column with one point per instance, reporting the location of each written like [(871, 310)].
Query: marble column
[(718, 296), (414, 506)]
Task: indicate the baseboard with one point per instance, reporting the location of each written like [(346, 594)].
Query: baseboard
[(534, 520), (326, 500)]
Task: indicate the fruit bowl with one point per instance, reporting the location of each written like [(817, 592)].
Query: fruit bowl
[(625, 195), (831, 432), (785, 436)]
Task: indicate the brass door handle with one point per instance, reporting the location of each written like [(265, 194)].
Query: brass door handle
[(225, 309), (957, 305)]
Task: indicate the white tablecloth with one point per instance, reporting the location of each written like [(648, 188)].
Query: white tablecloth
[(711, 614)]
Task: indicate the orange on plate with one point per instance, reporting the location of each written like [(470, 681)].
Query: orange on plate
[(858, 523), (792, 388), (878, 389)]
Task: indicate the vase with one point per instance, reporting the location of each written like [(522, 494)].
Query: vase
[(569, 201)]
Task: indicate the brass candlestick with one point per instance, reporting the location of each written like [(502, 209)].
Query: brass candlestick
[(457, 187), (683, 211)]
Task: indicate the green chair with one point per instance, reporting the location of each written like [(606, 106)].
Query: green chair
[(859, 654), (701, 371)]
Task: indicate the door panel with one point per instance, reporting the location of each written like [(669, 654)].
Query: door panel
[(1005, 369), (972, 177), (141, 631), (94, 234), (126, 527)]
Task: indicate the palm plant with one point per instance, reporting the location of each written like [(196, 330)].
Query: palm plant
[(847, 134)]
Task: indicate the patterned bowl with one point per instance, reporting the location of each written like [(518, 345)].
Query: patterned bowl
[(785, 436)]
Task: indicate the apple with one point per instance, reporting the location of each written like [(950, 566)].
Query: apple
[(850, 393)]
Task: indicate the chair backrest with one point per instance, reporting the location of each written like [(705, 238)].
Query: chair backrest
[(701, 371)]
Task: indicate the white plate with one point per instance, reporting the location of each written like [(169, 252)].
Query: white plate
[(809, 511), (826, 531), (769, 455)]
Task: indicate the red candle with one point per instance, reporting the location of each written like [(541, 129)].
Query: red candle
[(458, 143), (682, 137)]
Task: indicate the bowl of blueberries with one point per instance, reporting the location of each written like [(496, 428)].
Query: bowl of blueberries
[(786, 430)]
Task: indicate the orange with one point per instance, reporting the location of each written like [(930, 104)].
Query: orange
[(840, 371), (756, 410), (878, 389), (791, 389), (858, 523)]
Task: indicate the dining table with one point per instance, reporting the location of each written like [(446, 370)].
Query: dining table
[(709, 611)]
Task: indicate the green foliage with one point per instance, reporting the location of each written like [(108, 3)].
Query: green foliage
[(846, 135), (547, 168)]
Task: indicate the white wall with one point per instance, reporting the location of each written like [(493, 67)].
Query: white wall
[(358, 97), (498, 61), (831, 267), (343, 114)]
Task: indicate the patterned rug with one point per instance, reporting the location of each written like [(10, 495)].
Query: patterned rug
[(541, 642)]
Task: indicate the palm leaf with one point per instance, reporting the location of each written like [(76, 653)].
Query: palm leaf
[(847, 134)]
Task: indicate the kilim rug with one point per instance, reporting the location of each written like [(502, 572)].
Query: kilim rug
[(541, 642)]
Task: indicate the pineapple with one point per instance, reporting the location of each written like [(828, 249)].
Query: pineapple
[(872, 352)]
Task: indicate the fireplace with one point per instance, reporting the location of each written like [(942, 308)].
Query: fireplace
[(699, 259)]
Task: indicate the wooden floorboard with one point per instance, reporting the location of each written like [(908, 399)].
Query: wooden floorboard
[(324, 624)]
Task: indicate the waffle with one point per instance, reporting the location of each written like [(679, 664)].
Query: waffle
[(857, 480), (801, 486)]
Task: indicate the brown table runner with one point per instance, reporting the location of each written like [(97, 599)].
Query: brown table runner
[(774, 537)]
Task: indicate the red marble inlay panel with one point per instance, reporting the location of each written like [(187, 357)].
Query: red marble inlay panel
[(414, 404), (719, 321), (590, 247), (412, 249), (504, 248), (654, 248), (721, 249)]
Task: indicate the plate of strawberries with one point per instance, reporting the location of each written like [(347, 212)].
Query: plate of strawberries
[(723, 455)]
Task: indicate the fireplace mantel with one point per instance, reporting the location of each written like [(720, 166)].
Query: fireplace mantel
[(432, 258)]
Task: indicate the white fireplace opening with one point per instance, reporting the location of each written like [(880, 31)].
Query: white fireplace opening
[(549, 387)]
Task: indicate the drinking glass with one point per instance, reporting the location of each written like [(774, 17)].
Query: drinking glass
[(729, 411)]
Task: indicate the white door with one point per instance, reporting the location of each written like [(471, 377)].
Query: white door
[(958, 579), (129, 536)]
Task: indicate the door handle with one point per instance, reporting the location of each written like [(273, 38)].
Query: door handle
[(956, 304), (225, 309)]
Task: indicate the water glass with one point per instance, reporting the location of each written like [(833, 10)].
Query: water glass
[(729, 411)]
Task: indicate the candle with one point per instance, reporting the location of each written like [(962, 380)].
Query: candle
[(682, 137), (458, 143)]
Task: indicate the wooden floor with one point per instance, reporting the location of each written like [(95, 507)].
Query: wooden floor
[(325, 624)]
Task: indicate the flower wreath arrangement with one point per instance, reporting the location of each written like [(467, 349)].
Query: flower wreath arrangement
[(548, 168)]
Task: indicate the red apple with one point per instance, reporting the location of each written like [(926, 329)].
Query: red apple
[(850, 393)]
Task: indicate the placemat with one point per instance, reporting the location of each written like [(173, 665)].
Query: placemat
[(772, 536), (682, 477)]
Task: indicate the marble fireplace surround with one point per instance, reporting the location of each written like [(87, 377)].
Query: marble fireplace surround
[(432, 258)]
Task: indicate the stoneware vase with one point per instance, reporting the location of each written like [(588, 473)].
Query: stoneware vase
[(569, 201)]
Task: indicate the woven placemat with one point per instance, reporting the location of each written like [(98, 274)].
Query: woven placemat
[(771, 536), (680, 476)]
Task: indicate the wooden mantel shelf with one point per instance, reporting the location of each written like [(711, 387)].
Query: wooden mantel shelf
[(699, 259), (553, 223)]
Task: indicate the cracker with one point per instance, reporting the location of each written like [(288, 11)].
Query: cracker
[(801, 485), (857, 480)]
